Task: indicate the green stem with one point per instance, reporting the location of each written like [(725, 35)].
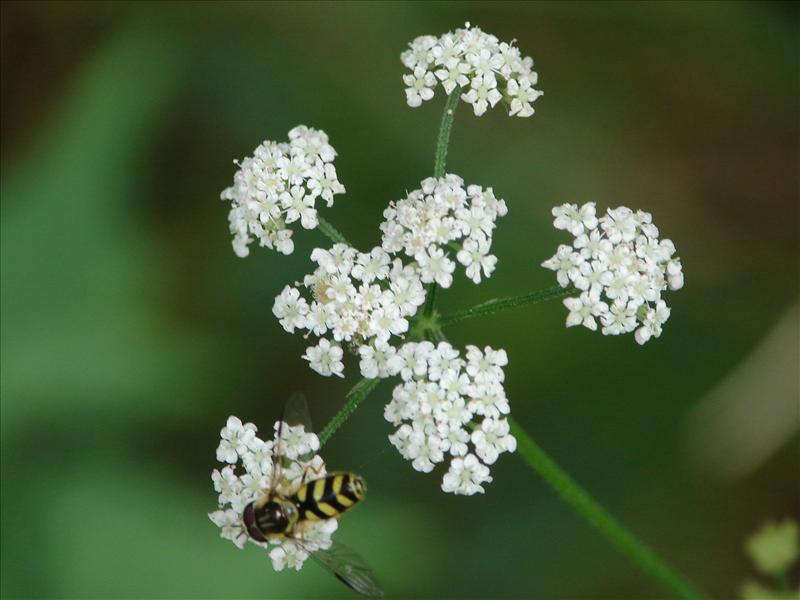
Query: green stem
[(356, 396), (430, 299), (437, 335), (330, 231), (500, 304), (440, 160), (445, 127), (596, 515)]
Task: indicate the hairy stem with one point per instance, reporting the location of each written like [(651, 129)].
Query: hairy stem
[(598, 517), (440, 161), (355, 396), (330, 231), (443, 141), (500, 304)]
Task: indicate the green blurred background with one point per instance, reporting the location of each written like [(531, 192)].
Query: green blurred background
[(130, 331)]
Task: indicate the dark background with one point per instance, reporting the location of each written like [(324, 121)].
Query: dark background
[(130, 331)]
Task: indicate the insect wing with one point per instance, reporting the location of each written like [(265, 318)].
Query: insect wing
[(295, 412), (350, 569)]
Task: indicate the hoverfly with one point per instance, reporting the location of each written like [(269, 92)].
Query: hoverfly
[(278, 514)]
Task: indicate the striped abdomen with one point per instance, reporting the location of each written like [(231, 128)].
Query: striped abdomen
[(329, 496)]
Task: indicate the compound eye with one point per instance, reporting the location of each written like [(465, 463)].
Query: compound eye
[(248, 516), (249, 519)]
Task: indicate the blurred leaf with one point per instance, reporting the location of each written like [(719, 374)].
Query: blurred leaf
[(82, 328)]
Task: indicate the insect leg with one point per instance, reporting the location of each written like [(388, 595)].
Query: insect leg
[(310, 469)]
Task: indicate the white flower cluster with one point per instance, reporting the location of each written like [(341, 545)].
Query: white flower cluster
[(621, 268), (487, 69), (443, 215), (447, 402), (361, 299), (279, 185), (238, 487)]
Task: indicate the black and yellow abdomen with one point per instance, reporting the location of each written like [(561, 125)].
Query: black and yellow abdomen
[(329, 496)]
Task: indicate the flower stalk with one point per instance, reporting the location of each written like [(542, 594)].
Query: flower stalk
[(500, 304), (443, 139), (331, 232), (574, 495), (357, 394)]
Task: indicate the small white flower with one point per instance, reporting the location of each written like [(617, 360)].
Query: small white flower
[(259, 457), (415, 359), (465, 476), (405, 439), (427, 453), (253, 484), (325, 358), (491, 439), (584, 309), (317, 318), (652, 323), (453, 75), (483, 93), (299, 205), (226, 484), (444, 362), (374, 265), (474, 255), (489, 400), (453, 439), (594, 246), (486, 366), (620, 318), (619, 225), (594, 275), (288, 555), (293, 168), (419, 52), (234, 439), (409, 294), (566, 263), (523, 95), (323, 182), (575, 219), (419, 86), (317, 535), (435, 266), (290, 309), (296, 441), (675, 275), (380, 360), (231, 527)]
